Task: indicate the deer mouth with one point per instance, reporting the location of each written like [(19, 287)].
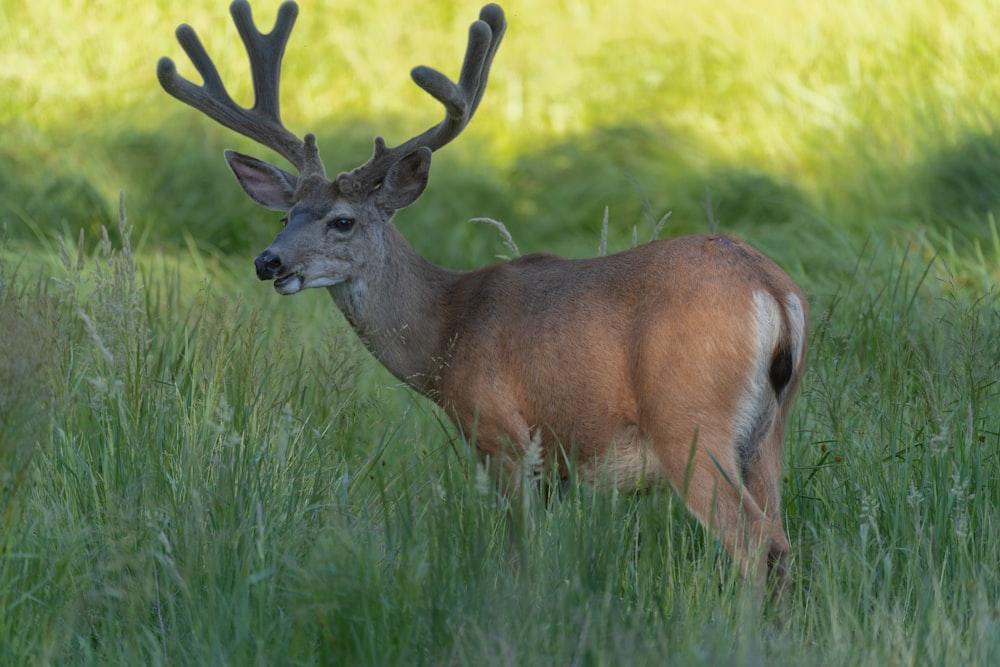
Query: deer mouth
[(288, 284)]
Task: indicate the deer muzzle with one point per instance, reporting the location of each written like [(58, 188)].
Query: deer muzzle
[(268, 265)]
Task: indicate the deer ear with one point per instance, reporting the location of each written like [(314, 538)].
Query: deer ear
[(266, 184), (405, 180)]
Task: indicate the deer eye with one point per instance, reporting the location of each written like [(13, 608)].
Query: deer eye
[(342, 224)]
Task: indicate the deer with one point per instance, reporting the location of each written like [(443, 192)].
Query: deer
[(672, 363)]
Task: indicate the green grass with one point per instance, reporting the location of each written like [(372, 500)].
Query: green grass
[(196, 471), (206, 479)]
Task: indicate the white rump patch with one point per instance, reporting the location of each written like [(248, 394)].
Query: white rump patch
[(758, 407)]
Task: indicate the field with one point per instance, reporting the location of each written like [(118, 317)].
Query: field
[(194, 470)]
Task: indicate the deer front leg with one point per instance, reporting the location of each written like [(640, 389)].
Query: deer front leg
[(501, 437)]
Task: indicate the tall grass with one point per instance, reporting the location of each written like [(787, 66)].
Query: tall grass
[(207, 481), (194, 471)]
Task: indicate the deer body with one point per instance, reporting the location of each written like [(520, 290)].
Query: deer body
[(605, 354), (674, 362)]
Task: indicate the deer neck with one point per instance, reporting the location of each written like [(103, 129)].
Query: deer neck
[(396, 308)]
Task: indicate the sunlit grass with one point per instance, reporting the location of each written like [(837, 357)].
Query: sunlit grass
[(862, 112)]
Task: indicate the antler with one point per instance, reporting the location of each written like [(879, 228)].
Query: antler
[(460, 102), (262, 122)]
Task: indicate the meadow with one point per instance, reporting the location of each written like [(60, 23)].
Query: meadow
[(194, 470)]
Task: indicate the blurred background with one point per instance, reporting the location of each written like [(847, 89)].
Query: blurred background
[(795, 125)]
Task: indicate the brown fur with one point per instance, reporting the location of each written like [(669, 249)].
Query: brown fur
[(636, 363)]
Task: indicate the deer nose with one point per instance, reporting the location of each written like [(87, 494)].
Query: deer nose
[(268, 265)]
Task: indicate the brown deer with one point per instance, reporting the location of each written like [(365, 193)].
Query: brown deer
[(676, 361)]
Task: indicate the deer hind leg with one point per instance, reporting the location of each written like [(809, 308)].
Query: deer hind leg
[(762, 476), (757, 444), (760, 448), (720, 441), (703, 470)]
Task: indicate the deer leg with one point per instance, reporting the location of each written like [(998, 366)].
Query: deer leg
[(501, 438), (763, 480), (702, 470)]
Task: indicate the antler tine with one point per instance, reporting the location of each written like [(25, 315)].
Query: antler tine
[(493, 16), (262, 122), (460, 101), (265, 51)]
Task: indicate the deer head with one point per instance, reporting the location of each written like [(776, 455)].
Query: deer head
[(333, 228)]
